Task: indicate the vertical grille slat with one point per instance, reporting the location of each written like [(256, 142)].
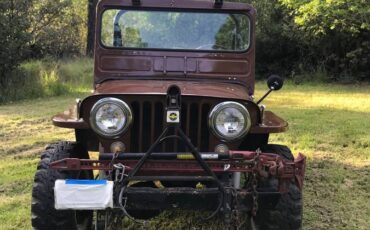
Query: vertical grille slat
[(193, 132), (187, 125), (140, 127), (146, 126), (152, 121), (199, 136), (134, 142), (158, 122), (204, 128), (149, 121)]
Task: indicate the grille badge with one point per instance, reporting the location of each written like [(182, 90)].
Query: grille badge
[(173, 116)]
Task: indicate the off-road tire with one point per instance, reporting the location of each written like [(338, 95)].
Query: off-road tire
[(286, 212), (44, 215)]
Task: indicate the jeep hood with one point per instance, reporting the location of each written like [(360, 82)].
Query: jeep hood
[(188, 88)]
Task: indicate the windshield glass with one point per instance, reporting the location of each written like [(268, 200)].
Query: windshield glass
[(175, 30)]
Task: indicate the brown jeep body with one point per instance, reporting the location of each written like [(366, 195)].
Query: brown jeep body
[(144, 76), (147, 80)]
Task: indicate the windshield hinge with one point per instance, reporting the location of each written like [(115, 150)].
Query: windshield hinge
[(136, 2), (219, 3)]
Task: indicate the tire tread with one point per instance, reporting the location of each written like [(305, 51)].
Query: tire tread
[(287, 213), (44, 215)]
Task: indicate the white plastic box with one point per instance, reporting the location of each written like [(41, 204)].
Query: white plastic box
[(83, 194)]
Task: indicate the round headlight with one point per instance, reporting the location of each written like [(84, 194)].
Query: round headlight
[(110, 117), (229, 121)]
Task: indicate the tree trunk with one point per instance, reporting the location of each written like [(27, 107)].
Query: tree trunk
[(91, 16)]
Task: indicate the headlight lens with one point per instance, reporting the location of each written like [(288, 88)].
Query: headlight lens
[(110, 117), (229, 120)]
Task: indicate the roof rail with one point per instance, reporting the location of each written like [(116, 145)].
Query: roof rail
[(219, 3), (136, 2)]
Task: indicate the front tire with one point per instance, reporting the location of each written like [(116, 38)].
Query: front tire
[(44, 215), (286, 213)]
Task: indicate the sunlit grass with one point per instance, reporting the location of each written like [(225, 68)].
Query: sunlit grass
[(15, 213), (336, 121), (28, 124), (328, 123)]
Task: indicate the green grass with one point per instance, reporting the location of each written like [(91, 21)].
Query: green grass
[(329, 123)]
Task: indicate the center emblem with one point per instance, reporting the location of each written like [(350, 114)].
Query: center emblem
[(173, 116)]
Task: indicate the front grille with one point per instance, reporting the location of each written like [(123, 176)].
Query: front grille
[(149, 121)]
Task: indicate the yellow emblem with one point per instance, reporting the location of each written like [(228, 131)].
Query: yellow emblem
[(173, 116)]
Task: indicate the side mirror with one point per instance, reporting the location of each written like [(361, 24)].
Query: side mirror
[(275, 82)]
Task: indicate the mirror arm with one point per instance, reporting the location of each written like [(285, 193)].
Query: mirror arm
[(264, 96)]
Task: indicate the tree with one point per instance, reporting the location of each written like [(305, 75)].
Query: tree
[(91, 18), (336, 32), (14, 38), (56, 28)]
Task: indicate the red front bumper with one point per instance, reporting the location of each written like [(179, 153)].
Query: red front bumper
[(264, 164)]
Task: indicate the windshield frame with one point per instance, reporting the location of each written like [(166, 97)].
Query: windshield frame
[(100, 21)]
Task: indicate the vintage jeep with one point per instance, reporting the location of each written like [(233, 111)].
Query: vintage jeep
[(175, 123)]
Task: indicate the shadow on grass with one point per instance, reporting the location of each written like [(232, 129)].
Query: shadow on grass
[(336, 195)]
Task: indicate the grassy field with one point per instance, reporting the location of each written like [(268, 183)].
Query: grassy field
[(329, 123)]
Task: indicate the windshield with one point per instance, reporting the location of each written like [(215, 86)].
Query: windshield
[(175, 30)]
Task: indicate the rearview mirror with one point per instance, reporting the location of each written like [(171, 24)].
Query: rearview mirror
[(275, 82)]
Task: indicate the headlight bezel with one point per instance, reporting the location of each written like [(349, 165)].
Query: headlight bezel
[(117, 102), (229, 104)]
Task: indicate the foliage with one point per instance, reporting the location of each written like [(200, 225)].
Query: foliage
[(13, 35), (335, 33), (36, 29), (48, 77), (296, 37), (277, 49), (57, 28), (321, 17)]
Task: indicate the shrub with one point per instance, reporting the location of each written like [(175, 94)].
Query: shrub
[(48, 77)]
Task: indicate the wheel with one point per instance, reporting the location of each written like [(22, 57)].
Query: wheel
[(44, 215), (285, 213)]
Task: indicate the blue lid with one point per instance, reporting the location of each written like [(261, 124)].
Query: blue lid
[(86, 182)]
